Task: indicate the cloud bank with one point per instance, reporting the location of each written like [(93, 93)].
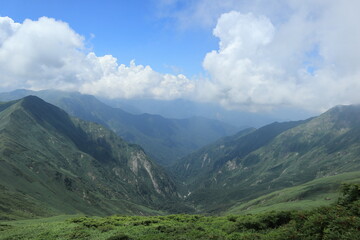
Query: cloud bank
[(302, 54), (310, 60), (47, 54)]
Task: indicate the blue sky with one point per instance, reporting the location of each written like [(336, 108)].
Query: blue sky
[(125, 29), (244, 55)]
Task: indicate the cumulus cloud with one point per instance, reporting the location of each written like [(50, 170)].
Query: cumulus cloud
[(115, 80), (7, 28), (39, 54), (310, 60), (47, 53)]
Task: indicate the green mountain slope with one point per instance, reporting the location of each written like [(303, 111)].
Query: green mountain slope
[(319, 192), (197, 170), (51, 163), (165, 140), (273, 157), (338, 221)]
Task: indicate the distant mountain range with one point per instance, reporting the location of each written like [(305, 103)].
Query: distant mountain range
[(277, 156), (165, 140), (52, 163), (181, 108)]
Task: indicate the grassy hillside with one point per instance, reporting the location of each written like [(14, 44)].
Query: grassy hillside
[(52, 164), (277, 156), (198, 166), (316, 193), (338, 221), (165, 140)]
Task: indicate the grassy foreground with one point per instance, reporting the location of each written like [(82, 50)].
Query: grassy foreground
[(337, 221)]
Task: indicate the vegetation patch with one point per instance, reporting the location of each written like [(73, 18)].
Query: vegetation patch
[(340, 220)]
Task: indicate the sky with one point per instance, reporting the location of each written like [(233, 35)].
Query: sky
[(255, 56)]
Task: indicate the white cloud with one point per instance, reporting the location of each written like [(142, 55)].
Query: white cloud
[(40, 54), (134, 81), (7, 28), (47, 53), (309, 60)]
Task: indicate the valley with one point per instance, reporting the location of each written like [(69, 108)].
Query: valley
[(179, 120), (165, 140), (53, 163)]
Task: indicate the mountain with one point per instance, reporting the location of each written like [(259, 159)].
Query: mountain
[(319, 192), (276, 156), (165, 140), (51, 163), (181, 108)]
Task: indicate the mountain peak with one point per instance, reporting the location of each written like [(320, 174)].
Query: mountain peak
[(82, 163), (343, 115), (32, 102), (43, 111), (32, 99), (164, 139), (342, 108)]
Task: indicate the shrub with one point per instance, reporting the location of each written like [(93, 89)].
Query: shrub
[(79, 234), (350, 193), (119, 236), (269, 220)]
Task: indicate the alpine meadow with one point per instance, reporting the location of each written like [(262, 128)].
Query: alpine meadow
[(176, 119)]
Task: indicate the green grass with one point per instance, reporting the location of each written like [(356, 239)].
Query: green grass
[(46, 228), (337, 221), (316, 193), (332, 222)]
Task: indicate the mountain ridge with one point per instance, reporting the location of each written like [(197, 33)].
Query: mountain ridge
[(321, 146), (165, 140), (67, 165)]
